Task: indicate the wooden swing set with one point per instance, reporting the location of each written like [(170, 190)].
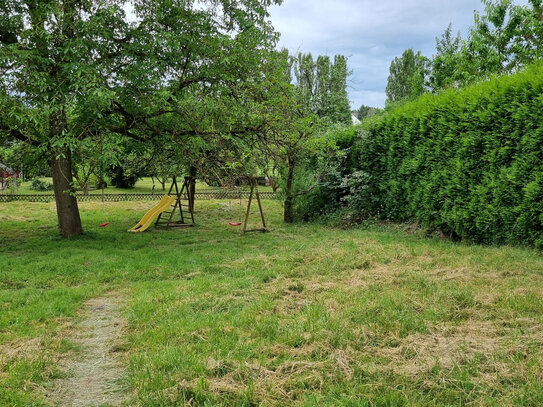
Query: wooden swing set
[(184, 198), (253, 193)]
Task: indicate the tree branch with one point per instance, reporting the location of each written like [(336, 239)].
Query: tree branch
[(16, 134)]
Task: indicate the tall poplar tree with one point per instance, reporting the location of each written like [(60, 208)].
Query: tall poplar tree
[(339, 100), (323, 101), (322, 85)]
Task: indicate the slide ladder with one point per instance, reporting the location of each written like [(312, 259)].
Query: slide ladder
[(184, 199), (147, 220)]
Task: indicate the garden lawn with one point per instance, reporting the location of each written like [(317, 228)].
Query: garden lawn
[(305, 315)]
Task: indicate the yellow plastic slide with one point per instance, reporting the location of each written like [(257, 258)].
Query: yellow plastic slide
[(151, 215)]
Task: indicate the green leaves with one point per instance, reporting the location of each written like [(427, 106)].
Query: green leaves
[(505, 38), (174, 67), (467, 162), (408, 77)]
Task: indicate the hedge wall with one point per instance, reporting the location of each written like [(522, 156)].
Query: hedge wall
[(467, 162)]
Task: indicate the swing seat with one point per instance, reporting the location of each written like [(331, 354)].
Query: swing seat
[(104, 224), (235, 223)]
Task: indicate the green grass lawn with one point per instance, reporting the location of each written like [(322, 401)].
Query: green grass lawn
[(306, 315), (143, 186)]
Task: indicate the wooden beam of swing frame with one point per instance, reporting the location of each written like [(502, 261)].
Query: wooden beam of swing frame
[(178, 206), (254, 191)]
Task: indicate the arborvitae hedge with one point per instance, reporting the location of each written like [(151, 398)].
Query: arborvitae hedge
[(468, 162)]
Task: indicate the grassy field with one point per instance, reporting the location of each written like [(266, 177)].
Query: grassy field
[(143, 186), (306, 315)]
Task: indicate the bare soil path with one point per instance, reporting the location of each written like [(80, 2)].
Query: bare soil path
[(94, 377)]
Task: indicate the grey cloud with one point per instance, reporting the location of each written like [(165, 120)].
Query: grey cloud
[(371, 33)]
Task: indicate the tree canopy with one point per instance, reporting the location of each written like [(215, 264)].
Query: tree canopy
[(72, 69), (407, 77), (322, 86), (504, 38)]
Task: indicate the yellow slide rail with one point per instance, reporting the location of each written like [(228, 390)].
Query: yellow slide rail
[(165, 203)]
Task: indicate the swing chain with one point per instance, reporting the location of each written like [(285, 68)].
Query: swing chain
[(104, 223)]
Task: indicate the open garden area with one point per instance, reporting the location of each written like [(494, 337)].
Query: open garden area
[(303, 315), (195, 212)]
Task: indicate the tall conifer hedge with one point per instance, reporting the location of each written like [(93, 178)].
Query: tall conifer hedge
[(467, 162)]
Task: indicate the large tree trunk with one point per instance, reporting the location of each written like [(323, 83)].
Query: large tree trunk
[(288, 214), (69, 221)]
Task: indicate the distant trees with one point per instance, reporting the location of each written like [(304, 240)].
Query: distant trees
[(322, 86), (24, 158), (319, 98), (300, 91), (368, 111), (87, 161), (339, 100), (444, 64), (408, 76), (505, 38)]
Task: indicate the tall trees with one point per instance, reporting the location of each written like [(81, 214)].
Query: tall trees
[(290, 118), (322, 86), (341, 109), (323, 101), (504, 38), (69, 68), (445, 63), (528, 44), (489, 49), (319, 97), (408, 76)]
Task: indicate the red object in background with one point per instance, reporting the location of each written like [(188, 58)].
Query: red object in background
[(104, 224), (234, 223), (9, 174)]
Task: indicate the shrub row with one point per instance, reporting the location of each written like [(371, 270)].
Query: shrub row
[(467, 162)]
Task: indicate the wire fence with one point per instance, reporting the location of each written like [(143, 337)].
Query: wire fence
[(202, 196)]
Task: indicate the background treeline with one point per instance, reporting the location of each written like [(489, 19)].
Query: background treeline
[(466, 162), (504, 38)]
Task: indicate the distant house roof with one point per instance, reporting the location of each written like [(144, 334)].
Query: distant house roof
[(355, 119), (5, 170)]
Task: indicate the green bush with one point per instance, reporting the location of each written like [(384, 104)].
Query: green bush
[(467, 162), (326, 168), (121, 178), (39, 185)]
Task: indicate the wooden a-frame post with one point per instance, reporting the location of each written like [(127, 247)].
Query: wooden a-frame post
[(254, 192), (179, 205)]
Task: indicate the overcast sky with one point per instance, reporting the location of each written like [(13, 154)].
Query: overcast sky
[(370, 32)]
